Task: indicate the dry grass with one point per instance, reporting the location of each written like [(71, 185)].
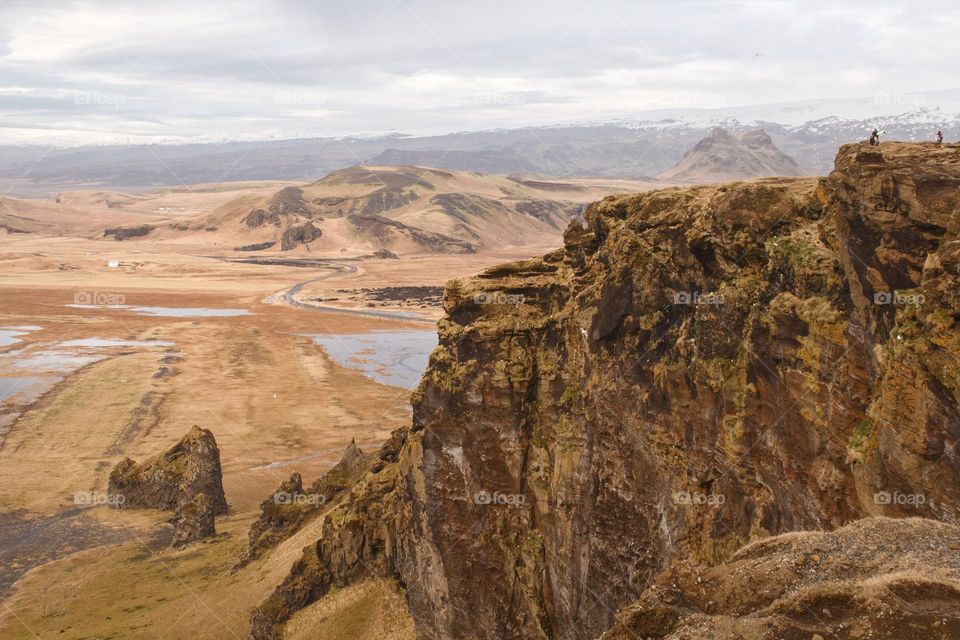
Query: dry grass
[(55, 449), (133, 590), (369, 610)]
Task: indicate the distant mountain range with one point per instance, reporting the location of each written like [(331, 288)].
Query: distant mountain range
[(636, 148)]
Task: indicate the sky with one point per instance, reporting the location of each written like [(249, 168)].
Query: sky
[(75, 72)]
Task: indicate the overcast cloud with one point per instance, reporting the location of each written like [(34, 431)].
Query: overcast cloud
[(99, 71)]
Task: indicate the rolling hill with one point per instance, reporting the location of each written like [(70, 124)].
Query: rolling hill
[(398, 210), (384, 210)]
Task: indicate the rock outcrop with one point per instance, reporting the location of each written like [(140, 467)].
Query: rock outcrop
[(193, 521), (875, 578), (360, 538), (724, 156), (298, 235), (696, 370), (186, 479), (258, 218), (290, 507), (125, 233)]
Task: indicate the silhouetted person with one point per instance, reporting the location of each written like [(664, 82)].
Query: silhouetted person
[(875, 138), (939, 137)]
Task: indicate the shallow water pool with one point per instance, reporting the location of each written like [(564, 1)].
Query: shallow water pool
[(170, 312), (189, 312), (11, 335), (100, 343), (12, 387), (397, 358)]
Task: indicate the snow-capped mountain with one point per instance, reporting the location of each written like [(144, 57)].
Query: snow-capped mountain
[(931, 106), (640, 145)]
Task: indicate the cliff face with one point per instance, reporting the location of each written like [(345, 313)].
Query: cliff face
[(366, 534), (290, 507), (696, 369)]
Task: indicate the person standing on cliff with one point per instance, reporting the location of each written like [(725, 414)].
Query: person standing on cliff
[(939, 137), (875, 138)]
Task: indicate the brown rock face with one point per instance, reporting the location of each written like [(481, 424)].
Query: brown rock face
[(281, 514), (289, 200), (174, 478), (125, 233), (193, 521), (361, 537), (259, 217), (299, 234), (291, 507), (874, 578), (695, 370)]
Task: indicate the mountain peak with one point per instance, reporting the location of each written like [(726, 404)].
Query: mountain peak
[(757, 138), (723, 156)]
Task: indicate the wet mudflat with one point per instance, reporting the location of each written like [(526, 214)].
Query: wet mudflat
[(396, 358), (27, 542)]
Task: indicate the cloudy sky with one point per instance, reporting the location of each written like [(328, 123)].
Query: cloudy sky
[(99, 71)]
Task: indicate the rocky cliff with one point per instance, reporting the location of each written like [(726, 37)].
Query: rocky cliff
[(697, 369), (292, 506)]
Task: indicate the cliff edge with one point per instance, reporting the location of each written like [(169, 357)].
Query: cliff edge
[(698, 369)]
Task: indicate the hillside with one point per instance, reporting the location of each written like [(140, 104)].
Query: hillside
[(356, 211), (88, 213), (696, 370), (845, 583), (54, 218), (722, 157), (398, 209)]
